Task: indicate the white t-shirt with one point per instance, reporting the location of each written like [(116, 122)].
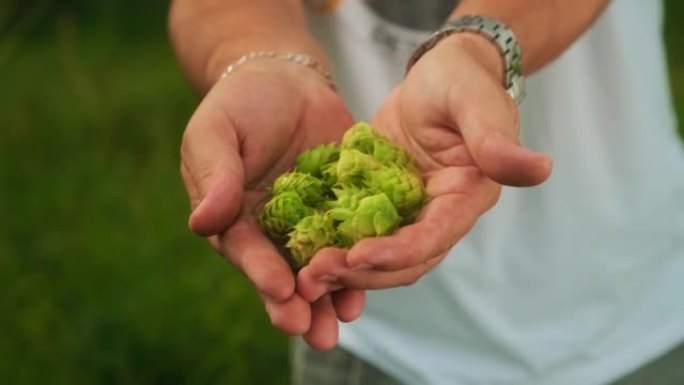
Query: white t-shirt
[(577, 281)]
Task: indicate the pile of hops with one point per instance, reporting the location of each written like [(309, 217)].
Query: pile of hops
[(338, 195)]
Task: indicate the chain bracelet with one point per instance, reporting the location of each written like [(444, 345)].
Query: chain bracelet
[(295, 57)]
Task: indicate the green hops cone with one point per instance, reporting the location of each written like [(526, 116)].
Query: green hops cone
[(314, 161), (360, 137), (402, 186), (354, 166), (311, 234), (389, 154), (329, 174), (282, 213), (338, 195), (308, 187), (374, 216), (348, 197)]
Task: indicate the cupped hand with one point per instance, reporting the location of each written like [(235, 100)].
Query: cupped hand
[(453, 115), (248, 129)]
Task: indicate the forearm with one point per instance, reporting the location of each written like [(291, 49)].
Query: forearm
[(544, 28), (207, 35)]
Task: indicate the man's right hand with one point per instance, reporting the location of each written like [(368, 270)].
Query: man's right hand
[(248, 130)]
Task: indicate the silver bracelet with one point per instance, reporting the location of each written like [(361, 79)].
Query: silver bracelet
[(295, 57), (499, 34)]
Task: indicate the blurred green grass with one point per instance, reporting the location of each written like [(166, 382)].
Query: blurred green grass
[(100, 281), (674, 39)]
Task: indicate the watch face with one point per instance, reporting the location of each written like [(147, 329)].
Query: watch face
[(426, 15)]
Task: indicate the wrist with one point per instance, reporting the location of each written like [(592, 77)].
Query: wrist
[(481, 49), (498, 35), (230, 52), (280, 60)]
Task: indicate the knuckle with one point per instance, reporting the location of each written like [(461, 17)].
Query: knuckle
[(353, 283), (409, 279), (284, 321), (185, 144), (273, 288), (493, 199), (432, 263), (270, 279), (193, 168)]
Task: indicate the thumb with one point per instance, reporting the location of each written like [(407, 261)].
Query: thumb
[(213, 172), (489, 128)]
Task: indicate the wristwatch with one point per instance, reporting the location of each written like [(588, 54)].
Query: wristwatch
[(499, 34)]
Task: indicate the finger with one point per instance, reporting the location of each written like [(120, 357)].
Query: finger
[(413, 244), (324, 331), (508, 163), (348, 304), (319, 277), (376, 280), (292, 316), (250, 251), (489, 123), (212, 167), (461, 196)]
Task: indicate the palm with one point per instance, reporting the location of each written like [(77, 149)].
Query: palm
[(458, 193), (273, 130), (458, 190), (438, 148)]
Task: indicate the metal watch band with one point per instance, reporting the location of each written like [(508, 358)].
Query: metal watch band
[(497, 32)]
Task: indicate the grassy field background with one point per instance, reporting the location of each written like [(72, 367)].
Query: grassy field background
[(100, 281)]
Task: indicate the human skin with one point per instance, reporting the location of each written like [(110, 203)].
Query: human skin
[(451, 113), (248, 129)]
